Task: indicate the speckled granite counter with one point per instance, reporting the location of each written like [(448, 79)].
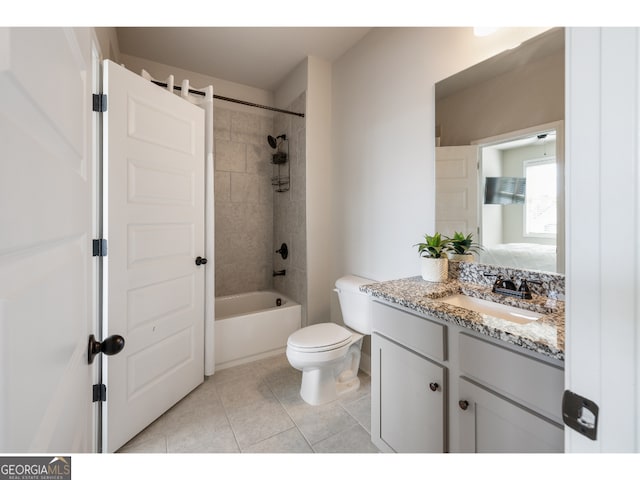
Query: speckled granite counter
[(545, 336)]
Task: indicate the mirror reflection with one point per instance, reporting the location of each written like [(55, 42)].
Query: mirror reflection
[(499, 161)]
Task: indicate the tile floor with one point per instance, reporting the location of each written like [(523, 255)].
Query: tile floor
[(256, 408)]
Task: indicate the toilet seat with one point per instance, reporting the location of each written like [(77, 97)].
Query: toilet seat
[(321, 337)]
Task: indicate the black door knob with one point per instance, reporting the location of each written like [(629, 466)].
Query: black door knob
[(201, 261), (433, 386), (109, 346)]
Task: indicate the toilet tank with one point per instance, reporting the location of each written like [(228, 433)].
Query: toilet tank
[(355, 305)]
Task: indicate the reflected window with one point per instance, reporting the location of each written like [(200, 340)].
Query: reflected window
[(541, 198)]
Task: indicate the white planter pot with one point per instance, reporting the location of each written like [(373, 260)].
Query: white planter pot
[(461, 257), (435, 269)]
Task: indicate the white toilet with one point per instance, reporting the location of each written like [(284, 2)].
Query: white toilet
[(329, 355)]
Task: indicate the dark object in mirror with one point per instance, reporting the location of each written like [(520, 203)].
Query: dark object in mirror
[(504, 190)]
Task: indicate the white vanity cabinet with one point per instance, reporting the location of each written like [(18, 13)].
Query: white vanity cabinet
[(490, 423), (410, 392), (409, 388), (507, 401), (439, 387)]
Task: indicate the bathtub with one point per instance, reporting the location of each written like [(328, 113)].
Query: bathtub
[(251, 326)]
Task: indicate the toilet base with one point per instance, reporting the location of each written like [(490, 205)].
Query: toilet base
[(324, 384)]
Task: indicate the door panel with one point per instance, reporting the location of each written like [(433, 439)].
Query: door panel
[(46, 265), (154, 151), (457, 190), (492, 424), (411, 415)]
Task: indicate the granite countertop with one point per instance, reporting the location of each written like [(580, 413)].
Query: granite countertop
[(545, 336)]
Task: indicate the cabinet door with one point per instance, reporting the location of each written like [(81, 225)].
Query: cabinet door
[(408, 400), (491, 424)]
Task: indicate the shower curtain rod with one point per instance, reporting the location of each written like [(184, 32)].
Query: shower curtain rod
[(233, 100)]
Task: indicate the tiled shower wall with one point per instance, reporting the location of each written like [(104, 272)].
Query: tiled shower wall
[(289, 209), (243, 202)]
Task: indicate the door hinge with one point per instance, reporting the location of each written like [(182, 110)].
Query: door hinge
[(99, 102), (100, 247), (100, 392)]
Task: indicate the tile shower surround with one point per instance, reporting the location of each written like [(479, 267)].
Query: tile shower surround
[(252, 220), (289, 209), (243, 202)]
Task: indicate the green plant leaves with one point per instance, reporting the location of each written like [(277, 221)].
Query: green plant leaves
[(435, 246)]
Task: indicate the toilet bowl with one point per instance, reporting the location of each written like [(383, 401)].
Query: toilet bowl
[(328, 354)]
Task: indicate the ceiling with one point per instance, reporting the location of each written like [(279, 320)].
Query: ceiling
[(260, 57)]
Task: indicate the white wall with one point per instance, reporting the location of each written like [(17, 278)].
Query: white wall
[(319, 175), (108, 41), (383, 141)]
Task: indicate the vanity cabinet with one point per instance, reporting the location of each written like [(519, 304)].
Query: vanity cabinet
[(439, 387), (409, 413), (409, 384), (490, 423), (507, 401)]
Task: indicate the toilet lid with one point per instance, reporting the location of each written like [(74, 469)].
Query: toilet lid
[(322, 336)]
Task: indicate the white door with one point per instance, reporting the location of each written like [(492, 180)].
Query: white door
[(47, 311), (457, 190), (154, 225), (603, 272)]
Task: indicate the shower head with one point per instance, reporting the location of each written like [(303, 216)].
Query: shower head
[(273, 141)]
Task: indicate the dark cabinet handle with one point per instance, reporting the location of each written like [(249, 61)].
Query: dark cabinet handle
[(201, 261), (463, 404), (434, 386)]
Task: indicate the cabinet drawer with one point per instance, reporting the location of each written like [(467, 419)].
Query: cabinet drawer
[(416, 333), (532, 383)]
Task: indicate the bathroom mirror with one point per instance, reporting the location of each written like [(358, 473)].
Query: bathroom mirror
[(499, 130)]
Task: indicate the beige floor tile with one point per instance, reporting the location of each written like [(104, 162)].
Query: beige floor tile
[(258, 422), (289, 441), (257, 408), (154, 431), (361, 411), (156, 444), (352, 440), (186, 416), (253, 369), (319, 422), (202, 439), (244, 393)]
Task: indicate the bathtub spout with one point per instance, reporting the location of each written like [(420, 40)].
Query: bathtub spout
[(277, 273)]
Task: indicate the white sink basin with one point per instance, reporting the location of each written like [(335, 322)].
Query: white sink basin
[(492, 309)]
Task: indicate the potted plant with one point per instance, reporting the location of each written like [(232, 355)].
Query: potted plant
[(435, 265), (460, 248)]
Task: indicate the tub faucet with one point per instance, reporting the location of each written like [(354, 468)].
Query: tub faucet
[(277, 273)]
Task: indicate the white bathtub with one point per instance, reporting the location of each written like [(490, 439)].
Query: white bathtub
[(250, 326)]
